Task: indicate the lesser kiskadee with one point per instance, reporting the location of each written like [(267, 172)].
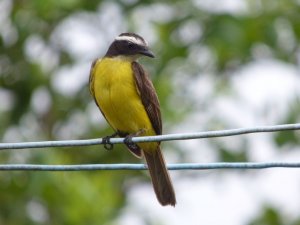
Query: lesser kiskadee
[(127, 99)]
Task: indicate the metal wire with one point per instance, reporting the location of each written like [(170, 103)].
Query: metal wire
[(168, 137), (179, 166)]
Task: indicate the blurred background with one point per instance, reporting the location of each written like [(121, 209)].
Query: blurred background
[(219, 65)]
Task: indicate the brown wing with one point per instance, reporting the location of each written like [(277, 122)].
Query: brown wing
[(148, 95)]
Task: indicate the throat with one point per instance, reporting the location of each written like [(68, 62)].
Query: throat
[(128, 58)]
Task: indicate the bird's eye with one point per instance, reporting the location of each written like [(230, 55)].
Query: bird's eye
[(130, 44)]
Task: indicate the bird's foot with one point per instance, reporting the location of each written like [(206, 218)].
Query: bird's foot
[(106, 141), (129, 143), (128, 139)]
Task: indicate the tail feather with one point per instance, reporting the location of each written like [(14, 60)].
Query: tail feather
[(160, 177)]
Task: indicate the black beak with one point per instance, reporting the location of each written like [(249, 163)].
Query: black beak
[(147, 52)]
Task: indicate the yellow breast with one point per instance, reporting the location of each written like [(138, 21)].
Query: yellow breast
[(117, 96)]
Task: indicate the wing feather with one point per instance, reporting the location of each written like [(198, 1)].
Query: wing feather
[(148, 96)]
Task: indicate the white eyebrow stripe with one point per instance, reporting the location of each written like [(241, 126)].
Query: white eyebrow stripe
[(131, 39)]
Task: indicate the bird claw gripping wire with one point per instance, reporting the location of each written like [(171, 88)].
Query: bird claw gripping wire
[(128, 140), (129, 143), (107, 144), (106, 141)]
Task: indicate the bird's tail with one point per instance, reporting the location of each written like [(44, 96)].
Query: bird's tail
[(160, 177)]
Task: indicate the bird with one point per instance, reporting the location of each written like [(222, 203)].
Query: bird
[(127, 99)]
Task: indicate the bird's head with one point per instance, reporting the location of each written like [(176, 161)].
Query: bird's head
[(129, 45)]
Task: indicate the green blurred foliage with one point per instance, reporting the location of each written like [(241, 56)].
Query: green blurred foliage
[(290, 139), (98, 197), (272, 216), (269, 216)]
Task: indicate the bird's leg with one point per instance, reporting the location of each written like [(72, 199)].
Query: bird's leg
[(106, 141), (128, 139)]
